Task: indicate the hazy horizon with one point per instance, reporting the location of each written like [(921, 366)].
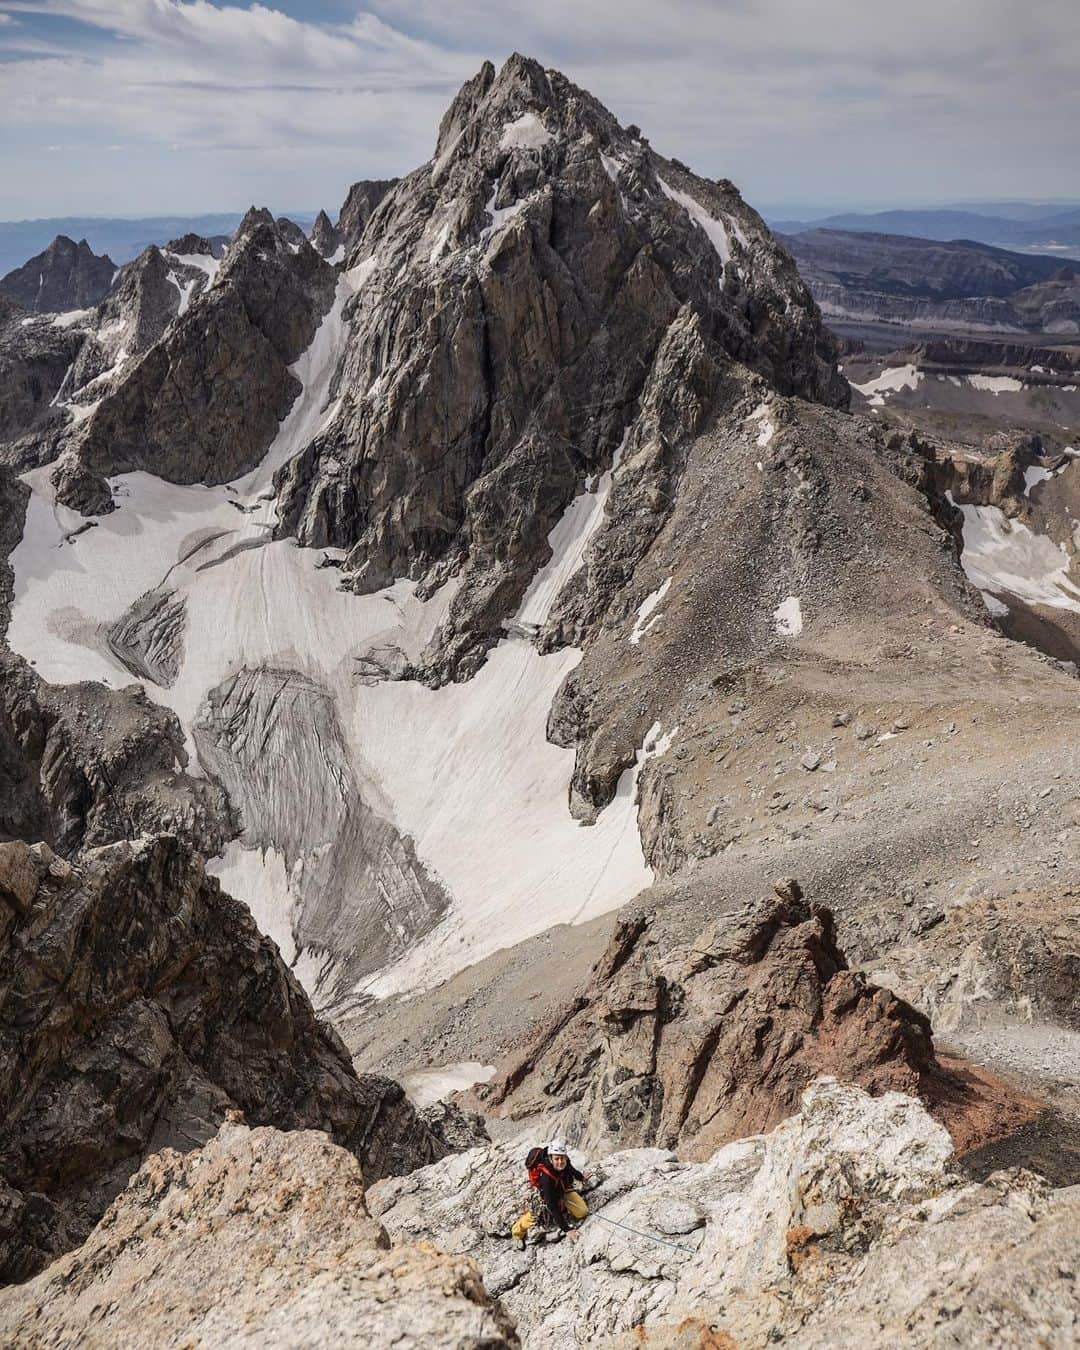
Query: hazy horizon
[(792, 210)]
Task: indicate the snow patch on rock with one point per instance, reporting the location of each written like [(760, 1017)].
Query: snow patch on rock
[(428, 1086), (788, 618), (568, 540), (717, 231), (205, 262), (890, 381), (995, 384), (525, 133), (1005, 555), (645, 619)]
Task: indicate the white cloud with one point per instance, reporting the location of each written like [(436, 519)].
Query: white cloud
[(840, 100)]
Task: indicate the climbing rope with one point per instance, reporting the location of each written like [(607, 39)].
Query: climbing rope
[(651, 1238)]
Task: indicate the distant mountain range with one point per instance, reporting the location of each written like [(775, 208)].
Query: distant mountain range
[(863, 276), (120, 239), (1056, 232)]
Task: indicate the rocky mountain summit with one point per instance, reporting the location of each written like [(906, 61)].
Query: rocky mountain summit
[(66, 276), (461, 452), (325, 239), (356, 210), (205, 401)]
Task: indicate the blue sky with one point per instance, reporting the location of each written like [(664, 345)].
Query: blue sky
[(137, 107)]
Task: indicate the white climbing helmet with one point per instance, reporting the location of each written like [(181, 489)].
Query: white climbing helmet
[(557, 1146)]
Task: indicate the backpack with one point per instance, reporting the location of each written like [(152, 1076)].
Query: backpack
[(536, 1164)]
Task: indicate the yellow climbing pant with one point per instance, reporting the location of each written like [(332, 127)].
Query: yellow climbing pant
[(575, 1207)]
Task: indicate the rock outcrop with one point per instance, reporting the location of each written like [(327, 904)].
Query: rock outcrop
[(258, 1238), (844, 1226), (204, 402), (138, 1004), (689, 1048), (325, 239), (67, 276), (357, 209)]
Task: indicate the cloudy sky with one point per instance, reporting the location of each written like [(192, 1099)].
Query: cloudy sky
[(136, 107)]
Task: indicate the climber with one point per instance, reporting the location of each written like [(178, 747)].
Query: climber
[(553, 1200)]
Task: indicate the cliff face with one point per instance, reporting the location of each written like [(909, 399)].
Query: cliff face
[(138, 1004)]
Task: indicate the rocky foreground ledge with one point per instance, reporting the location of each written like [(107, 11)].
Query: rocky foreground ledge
[(258, 1239), (843, 1226)]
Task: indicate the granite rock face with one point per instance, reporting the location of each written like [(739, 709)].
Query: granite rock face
[(258, 1238), (139, 1003), (360, 203), (148, 295), (35, 357), (67, 276), (546, 288)]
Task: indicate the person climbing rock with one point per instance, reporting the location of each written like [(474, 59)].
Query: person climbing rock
[(554, 1200)]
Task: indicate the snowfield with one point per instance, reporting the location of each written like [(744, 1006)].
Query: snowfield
[(787, 617), (465, 772), (890, 382), (526, 133)]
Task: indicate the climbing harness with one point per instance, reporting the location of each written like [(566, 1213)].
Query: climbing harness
[(616, 1224)]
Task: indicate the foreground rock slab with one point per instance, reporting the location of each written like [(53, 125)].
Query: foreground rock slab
[(258, 1239), (844, 1226)]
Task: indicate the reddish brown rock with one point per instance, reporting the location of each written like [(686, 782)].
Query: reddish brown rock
[(701, 1044)]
